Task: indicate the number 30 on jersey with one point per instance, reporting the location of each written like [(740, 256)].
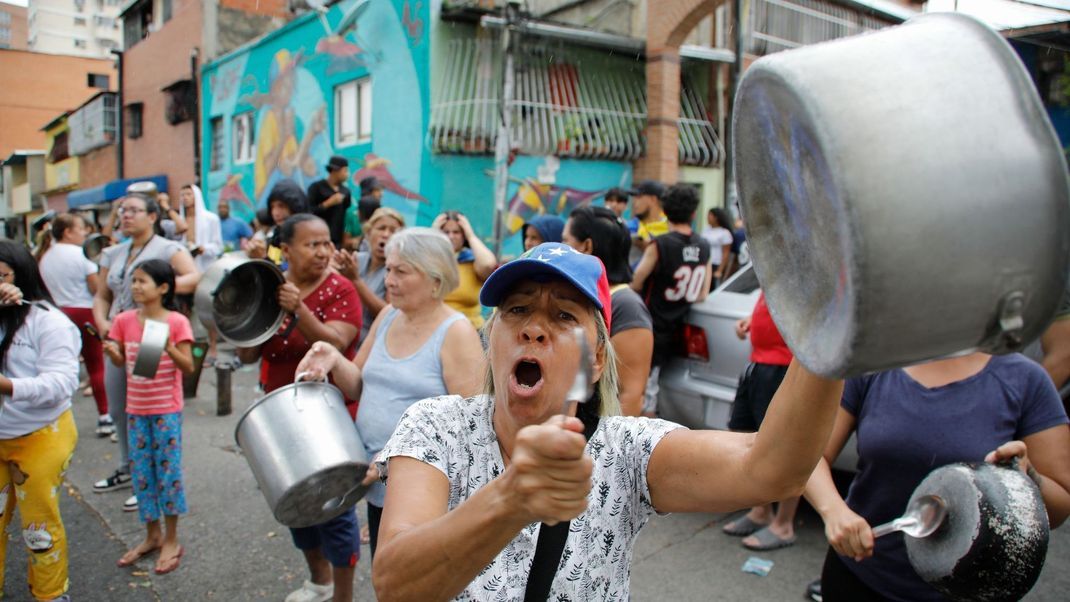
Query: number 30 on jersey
[(689, 283)]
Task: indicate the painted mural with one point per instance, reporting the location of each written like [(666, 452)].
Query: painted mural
[(288, 81)]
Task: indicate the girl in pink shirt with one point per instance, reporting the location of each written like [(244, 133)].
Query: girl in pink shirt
[(154, 411)]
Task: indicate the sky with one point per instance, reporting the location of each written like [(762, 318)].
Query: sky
[(15, 2)]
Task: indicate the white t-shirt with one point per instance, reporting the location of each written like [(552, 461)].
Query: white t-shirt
[(64, 269), (42, 364), (456, 436), (717, 237)]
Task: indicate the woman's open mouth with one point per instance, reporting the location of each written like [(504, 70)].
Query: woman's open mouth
[(526, 380)]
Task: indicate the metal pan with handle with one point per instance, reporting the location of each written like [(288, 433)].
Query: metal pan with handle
[(992, 541), (154, 337)]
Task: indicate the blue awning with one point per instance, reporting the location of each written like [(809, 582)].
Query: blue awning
[(110, 191)]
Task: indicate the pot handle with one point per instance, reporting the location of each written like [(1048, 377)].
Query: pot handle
[(220, 284), (300, 377)]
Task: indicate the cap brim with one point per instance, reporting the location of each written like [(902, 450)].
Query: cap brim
[(502, 280)]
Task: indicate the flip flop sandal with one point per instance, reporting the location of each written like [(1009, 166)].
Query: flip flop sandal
[(174, 563), (742, 527), (136, 558), (767, 540)]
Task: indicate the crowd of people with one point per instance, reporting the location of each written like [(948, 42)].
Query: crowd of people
[(488, 350)]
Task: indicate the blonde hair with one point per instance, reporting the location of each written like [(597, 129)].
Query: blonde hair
[(607, 391), (430, 252), (382, 212)]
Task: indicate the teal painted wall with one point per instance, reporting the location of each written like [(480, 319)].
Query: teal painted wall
[(289, 77)]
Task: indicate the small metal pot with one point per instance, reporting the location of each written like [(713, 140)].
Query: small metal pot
[(305, 453), (153, 343), (236, 296), (94, 245), (905, 196), (994, 540)]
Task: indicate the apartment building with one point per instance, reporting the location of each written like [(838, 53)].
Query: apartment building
[(89, 28), (13, 23)]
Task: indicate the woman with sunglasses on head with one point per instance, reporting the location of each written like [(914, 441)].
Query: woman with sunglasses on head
[(475, 262), (39, 354), (139, 218)]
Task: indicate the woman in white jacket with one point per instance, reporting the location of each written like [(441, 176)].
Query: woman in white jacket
[(204, 239), (39, 350)]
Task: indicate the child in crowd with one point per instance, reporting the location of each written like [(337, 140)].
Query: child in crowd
[(154, 411)]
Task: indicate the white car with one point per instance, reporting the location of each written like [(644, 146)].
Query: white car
[(697, 391)]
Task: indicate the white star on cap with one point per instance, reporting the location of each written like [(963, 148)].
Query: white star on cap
[(557, 251)]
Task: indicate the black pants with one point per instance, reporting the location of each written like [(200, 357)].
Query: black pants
[(374, 514), (839, 584)]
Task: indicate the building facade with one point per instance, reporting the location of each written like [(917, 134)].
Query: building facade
[(166, 42), (13, 26), (88, 28), (410, 93), (37, 87)]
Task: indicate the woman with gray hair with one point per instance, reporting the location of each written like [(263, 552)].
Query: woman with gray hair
[(417, 348)]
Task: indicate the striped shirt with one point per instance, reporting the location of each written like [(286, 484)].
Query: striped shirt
[(162, 394)]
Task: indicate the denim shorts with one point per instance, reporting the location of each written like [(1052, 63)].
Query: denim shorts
[(338, 539)]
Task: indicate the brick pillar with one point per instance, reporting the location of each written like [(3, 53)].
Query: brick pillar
[(666, 29), (663, 109)]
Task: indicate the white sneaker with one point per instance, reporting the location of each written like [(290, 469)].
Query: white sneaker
[(310, 592), (105, 426), (130, 505)]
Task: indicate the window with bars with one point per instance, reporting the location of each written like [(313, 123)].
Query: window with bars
[(776, 25), (134, 118), (353, 112), (565, 103), (243, 138), (215, 162)]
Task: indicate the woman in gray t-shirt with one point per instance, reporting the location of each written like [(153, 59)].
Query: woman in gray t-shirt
[(139, 220)]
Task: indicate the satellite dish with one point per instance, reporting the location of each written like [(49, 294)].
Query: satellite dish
[(319, 6), (354, 13)]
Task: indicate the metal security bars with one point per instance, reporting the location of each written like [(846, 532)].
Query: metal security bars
[(563, 105), (699, 143), (777, 25)]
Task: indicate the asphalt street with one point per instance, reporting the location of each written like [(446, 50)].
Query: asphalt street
[(236, 551)]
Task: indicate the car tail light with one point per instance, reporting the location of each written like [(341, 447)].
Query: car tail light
[(695, 343)]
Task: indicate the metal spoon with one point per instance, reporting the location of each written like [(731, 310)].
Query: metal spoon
[(583, 383), (923, 516)]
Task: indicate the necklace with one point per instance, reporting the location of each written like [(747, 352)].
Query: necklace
[(130, 260)]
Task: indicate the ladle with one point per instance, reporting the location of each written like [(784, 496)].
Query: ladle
[(923, 516)]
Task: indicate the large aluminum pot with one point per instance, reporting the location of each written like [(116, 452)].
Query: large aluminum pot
[(905, 195), (236, 296), (305, 453)]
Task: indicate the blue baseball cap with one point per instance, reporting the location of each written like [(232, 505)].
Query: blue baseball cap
[(552, 261)]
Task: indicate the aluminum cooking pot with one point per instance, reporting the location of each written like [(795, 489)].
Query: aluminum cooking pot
[(305, 453), (994, 540), (94, 245), (236, 296), (905, 196)]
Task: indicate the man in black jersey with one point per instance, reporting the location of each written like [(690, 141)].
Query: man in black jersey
[(675, 272)]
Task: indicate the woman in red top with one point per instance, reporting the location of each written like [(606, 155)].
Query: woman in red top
[(770, 356), (326, 308)]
